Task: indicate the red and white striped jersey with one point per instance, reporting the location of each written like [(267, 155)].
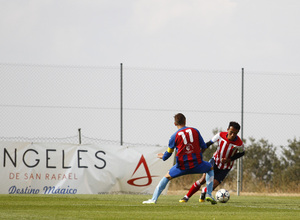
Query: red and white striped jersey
[(226, 149)]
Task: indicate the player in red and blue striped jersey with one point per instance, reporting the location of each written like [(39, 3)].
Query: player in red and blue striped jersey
[(189, 145), (230, 147)]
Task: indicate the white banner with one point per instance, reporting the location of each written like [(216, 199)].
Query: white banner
[(51, 168)]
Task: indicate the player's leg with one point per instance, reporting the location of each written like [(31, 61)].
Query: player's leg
[(209, 178), (159, 188), (173, 173), (219, 176), (195, 187), (216, 183), (203, 195), (209, 186), (204, 190), (205, 167)]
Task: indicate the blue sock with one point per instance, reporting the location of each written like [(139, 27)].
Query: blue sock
[(159, 188), (210, 181)]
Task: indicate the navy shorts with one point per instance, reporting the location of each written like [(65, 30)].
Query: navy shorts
[(203, 167), (219, 174)]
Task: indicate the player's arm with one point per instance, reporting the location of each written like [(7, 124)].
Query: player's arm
[(213, 140), (170, 149), (240, 153), (237, 156), (167, 154), (209, 143)]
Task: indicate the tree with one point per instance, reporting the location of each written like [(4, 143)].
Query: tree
[(291, 163), (260, 164)]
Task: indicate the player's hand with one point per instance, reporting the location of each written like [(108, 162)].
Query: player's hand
[(160, 155), (225, 160)]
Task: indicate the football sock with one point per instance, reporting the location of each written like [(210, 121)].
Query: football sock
[(210, 181), (204, 190), (195, 187), (159, 188)]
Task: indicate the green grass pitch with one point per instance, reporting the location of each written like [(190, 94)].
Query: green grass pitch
[(130, 207)]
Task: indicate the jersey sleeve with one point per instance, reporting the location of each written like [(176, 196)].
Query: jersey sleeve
[(167, 154), (237, 156), (171, 148), (209, 143), (215, 138), (201, 141)]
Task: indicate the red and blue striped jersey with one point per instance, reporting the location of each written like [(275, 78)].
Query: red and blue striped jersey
[(188, 143)]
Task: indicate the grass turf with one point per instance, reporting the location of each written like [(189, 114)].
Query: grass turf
[(130, 207)]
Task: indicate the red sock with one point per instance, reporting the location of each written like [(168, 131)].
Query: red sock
[(195, 187)]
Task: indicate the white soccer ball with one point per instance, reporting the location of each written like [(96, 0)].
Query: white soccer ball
[(222, 196)]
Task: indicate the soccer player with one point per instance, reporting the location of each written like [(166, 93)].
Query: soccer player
[(189, 144), (230, 147)]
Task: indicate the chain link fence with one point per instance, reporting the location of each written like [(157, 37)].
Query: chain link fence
[(50, 103)]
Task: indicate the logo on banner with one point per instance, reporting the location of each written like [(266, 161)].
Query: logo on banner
[(149, 177)]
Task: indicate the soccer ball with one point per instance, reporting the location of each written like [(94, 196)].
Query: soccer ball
[(222, 196)]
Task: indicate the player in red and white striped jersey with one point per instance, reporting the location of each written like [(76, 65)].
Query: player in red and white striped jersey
[(230, 147), (229, 144)]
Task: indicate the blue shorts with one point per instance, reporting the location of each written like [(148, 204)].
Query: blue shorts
[(219, 174), (203, 167)]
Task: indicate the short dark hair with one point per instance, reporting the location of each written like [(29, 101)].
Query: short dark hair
[(179, 119), (234, 125)]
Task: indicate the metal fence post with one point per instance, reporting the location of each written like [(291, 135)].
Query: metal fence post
[(79, 135), (121, 104), (240, 161)]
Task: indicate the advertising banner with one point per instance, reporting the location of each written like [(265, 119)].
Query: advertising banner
[(52, 168)]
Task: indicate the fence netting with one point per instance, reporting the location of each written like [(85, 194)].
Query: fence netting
[(50, 103)]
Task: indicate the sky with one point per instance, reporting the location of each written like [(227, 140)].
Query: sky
[(261, 36), (195, 34)]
